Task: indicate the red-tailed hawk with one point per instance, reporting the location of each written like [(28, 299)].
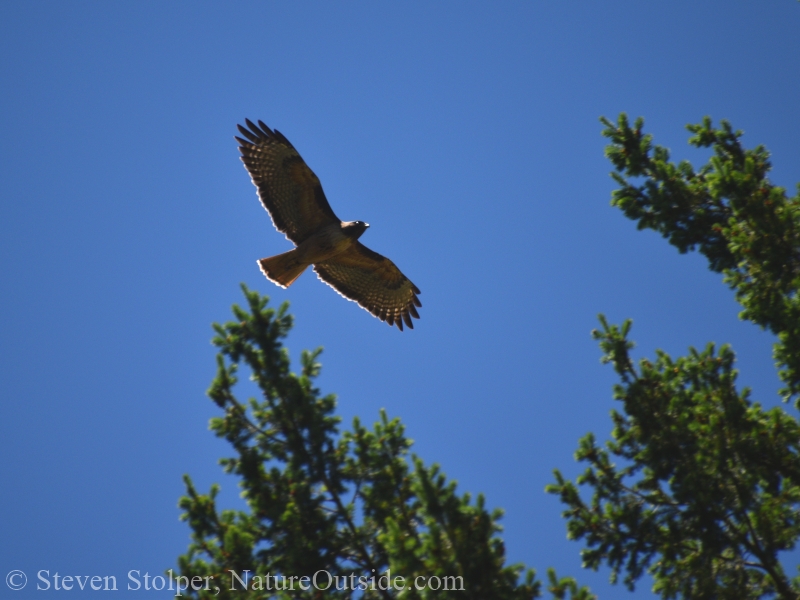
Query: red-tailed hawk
[(293, 196)]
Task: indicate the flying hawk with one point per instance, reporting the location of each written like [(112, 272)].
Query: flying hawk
[(293, 196)]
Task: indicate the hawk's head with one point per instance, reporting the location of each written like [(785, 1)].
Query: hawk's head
[(354, 229)]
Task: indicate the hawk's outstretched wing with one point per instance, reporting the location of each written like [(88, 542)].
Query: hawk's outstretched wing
[(288, 189), (373, 281)]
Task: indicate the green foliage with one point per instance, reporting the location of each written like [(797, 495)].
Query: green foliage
[(349, 503), (709, 492), (746, 227), (707, 489)]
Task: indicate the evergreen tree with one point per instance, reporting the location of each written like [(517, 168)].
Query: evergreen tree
[(707, 492), (353, 508)]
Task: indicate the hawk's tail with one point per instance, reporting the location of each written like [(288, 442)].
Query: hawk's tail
[(282, 269)]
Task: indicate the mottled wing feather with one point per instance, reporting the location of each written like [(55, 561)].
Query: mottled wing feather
[(288, 189), (373, 281)]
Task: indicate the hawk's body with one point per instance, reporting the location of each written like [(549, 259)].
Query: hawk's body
[(292, 194)]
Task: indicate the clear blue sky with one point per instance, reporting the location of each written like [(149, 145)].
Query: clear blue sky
[(465, 133)]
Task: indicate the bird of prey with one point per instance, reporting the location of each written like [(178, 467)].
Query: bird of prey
[(293, 196)]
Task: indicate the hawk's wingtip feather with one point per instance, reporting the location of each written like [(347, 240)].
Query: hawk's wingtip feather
[(267, 131), (249, 135)]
